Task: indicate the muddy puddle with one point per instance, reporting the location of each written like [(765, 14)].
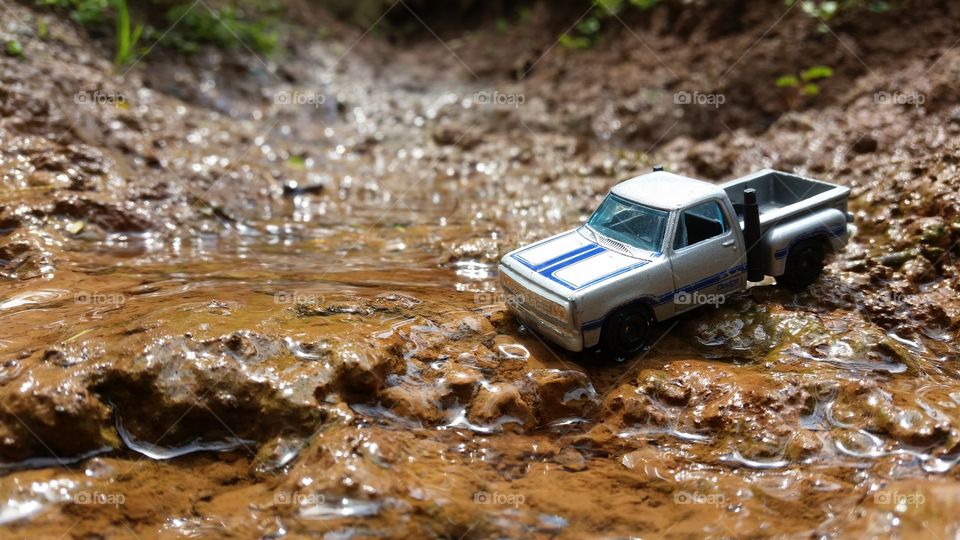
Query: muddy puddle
[(224, 317), (285, 387)]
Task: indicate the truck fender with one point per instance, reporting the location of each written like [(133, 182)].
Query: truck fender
[(828, 224)]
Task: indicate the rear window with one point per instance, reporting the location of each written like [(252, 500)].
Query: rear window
[(700, 223)]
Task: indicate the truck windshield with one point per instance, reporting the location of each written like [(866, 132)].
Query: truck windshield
[(631, 223)]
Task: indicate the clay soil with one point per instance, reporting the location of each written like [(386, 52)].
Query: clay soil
[(246, 296)]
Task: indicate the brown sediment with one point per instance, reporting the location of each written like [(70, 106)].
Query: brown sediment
[(223, 314)]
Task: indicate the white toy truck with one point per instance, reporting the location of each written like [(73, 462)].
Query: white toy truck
[(661, 244)]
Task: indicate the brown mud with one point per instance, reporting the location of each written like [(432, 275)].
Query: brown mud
[(243, 297)]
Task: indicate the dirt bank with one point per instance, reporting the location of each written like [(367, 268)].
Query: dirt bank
[(256, 296)]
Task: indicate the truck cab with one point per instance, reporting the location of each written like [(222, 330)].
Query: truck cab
[(661, 244)]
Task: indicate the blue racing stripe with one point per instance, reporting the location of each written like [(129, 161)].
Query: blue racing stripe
[(668, 297), (547, 271), (597, 280), (555, 260)]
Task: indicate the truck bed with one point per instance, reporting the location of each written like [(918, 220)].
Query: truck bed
[(782, 195)]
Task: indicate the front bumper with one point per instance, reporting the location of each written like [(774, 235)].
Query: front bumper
[(570, 339), (564, 335)]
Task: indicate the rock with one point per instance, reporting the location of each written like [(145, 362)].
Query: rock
[(919, 270), (896, 260), (243, 385), (463, 136), (474, 249), (293, 187), (856, 265), (866, 406), (462, 382), (571, 460), (498, 405), (803, 445), (635, 408), (934, 232), (562, 394), (48, 411), (866, 144), (414, 402), (110, 217)]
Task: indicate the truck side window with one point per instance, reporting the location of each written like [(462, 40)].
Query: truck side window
[(700, 223)]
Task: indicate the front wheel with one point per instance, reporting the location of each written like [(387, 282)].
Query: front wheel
[(626, 331), (804, 265)]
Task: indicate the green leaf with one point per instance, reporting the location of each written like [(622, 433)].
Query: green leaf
[(788, 81), (609, 6), (43, 28), (123, 33), (297, 162), (817, 72), (590, 25), (811, 89), (828, 8), (574, 43), (14, 48)]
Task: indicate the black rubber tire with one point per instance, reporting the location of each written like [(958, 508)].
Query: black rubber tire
[(626, 331), (804, 264)]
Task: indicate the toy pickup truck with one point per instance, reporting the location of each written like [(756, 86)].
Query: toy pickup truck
[(661, 244)]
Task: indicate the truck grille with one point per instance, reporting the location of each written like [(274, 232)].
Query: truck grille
[(518, 296)]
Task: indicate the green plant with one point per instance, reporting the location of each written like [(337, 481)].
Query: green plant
[(85, 12), (127, 38), (43, 27), (226, 28), (587, 32), (824, 10), (13, 48), (805, 83), (196, 23)]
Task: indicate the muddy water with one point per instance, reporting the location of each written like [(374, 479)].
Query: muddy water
[(311, 386), (222, 317)]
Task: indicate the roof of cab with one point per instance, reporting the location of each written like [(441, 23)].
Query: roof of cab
[(666, 190)]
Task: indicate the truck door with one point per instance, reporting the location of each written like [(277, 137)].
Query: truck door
[(707, 259)]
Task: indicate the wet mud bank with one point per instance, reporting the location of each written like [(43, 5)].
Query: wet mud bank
[(262, 301)]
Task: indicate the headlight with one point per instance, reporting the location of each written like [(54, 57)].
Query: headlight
[(519, 296)]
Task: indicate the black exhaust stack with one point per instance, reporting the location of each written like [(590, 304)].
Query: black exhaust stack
[(751, 234)]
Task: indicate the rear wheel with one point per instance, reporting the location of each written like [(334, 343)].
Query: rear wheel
[(626, 331), (804, 264)]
